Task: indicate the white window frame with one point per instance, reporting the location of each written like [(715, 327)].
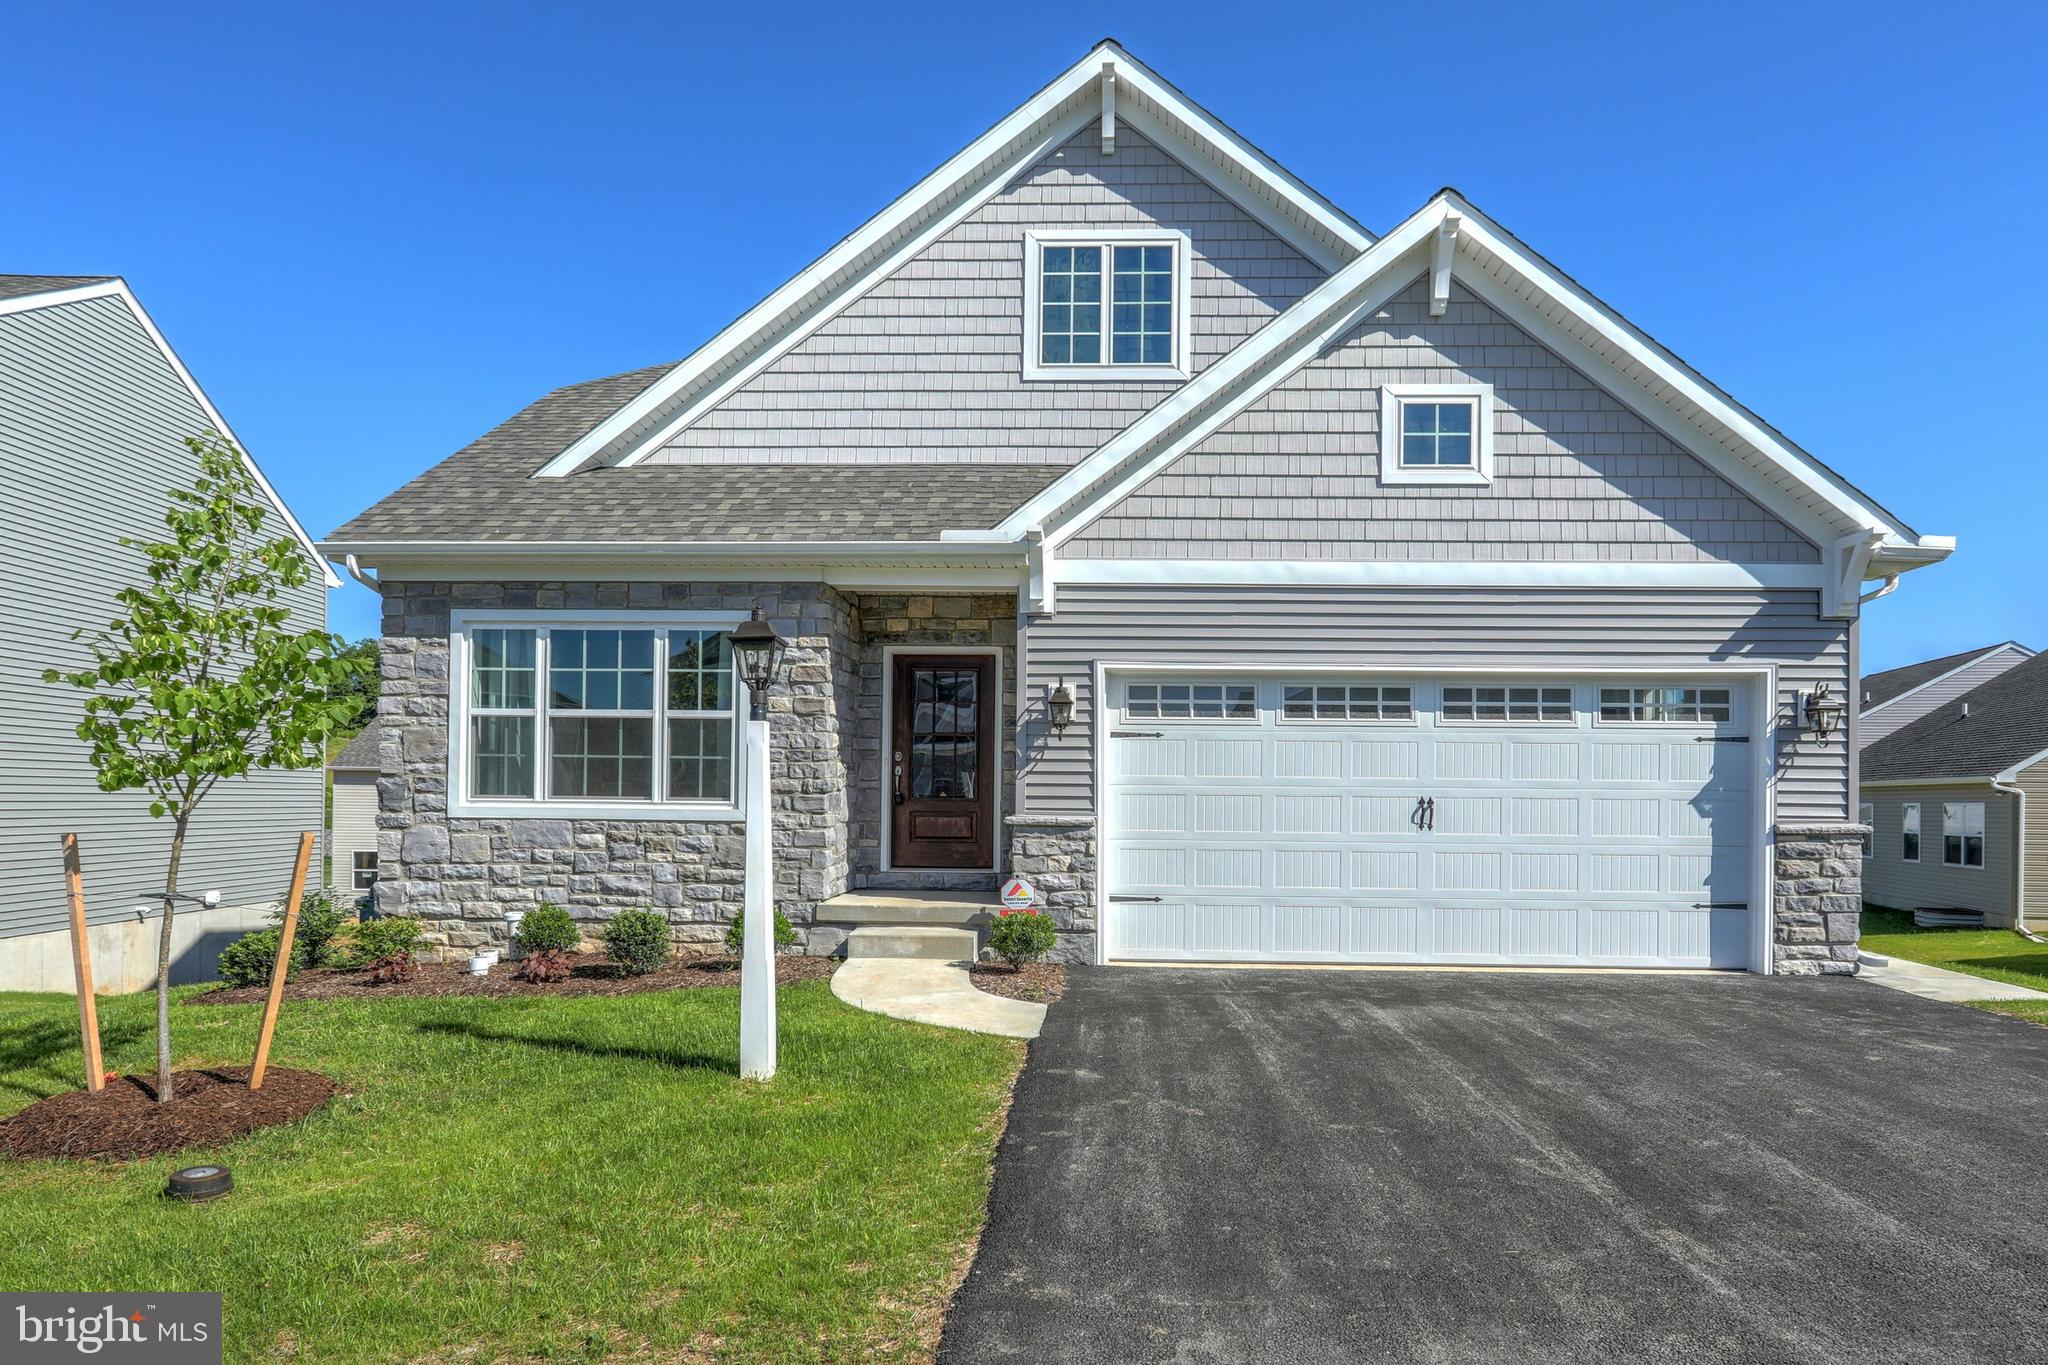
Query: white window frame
[(1226, 718), (1600, 704), (540, 806), (1963, 836), (1866, 813), (356, 869), (1507, 687), (1107, 369), (1909, 823), (1281, 717), (1394, 396)]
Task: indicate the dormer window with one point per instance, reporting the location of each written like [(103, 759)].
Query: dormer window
[(1436, 434), (1105, 305)]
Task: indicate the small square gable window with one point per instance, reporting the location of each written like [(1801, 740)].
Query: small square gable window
[(1436, 434), (1106, 305)]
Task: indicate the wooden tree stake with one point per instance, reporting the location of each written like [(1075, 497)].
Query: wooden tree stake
[(284, 958), (81, 967)]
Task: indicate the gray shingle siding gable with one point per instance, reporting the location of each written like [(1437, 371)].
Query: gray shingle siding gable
[(91, 416), (1578, 476), (928, 364)]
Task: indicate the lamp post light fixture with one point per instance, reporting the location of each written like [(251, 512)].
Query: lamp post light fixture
[(758, 652), (1060, 708), (1824, 710)]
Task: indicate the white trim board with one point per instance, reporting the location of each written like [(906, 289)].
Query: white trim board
[(884, 860), (1434, 573), (118, 288), (1060, 111)]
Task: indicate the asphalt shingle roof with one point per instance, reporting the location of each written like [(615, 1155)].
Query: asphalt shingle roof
[(486, 492), (360, 752), (1879, 688), (14, 286), (2008, 723)]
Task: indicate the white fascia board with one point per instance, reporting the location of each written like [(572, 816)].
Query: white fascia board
[(809, 551), (1764, 447), (1895, 782), (934, 205), (1224, 389), (869, 565), (1971, 662), (1437, 573), (2016, 769), (118, 288)]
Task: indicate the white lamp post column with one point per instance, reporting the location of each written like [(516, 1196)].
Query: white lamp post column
[(758, 650)]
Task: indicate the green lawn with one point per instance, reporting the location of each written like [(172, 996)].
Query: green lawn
[(1995, 954), (575, 1179)]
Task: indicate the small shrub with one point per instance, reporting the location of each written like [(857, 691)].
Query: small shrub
[(249, 959), (637, 941), (546, 965), (373, 940), (735, 937), (1021, 936), (548, 929), (390, 968), (321, 922)]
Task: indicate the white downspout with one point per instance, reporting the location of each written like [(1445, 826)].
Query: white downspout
[(355, 571), (2019, 901)]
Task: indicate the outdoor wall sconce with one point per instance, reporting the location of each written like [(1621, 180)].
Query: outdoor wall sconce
[(1823, 711), (760, 652), (1060, 708)]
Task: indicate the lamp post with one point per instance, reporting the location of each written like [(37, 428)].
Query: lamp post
[(758, 650)]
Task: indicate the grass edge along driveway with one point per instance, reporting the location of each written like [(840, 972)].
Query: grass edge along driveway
[(1994, 954), (570, 1179)]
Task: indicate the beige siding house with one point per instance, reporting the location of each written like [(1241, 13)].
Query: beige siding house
[(1958, 802), (94, 406), (352, 841), (1894, 699), (1257, 586)]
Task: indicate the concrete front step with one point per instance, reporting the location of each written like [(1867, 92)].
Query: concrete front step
[(905, 906), (926, 879), (928, 943)]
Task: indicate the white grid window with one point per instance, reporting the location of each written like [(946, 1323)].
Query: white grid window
[(1339, 701), (1191, 701), (1070, 305), (1867, 817), (1909, 832), (363, 871), (1682, 705), (1962, 833), (1508, 703), (630, 714), (1438, 435)]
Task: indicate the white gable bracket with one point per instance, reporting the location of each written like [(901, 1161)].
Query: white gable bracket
[(1109, 108), (1039, 591), (1849, 559), (1446, 250)]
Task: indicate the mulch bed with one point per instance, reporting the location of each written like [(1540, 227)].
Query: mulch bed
[(207, 1109), (1041, 983), (592, 975)]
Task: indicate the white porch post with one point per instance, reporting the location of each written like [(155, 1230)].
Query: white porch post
[(757, 949)]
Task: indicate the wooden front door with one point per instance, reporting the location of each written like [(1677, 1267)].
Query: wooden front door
[(942, 761)]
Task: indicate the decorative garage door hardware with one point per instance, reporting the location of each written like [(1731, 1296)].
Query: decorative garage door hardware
[(1137, 734), (1150, 900), (1720, 739), (1425, 813)]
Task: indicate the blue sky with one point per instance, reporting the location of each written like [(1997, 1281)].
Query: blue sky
[(374, 231)]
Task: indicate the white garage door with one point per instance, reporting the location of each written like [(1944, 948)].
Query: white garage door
[(1362, 819)]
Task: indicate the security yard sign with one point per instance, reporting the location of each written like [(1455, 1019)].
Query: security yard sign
[(1019, 894)]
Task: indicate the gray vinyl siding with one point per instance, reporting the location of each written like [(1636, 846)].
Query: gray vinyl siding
[(1668, 630), (1875, 724), (1889, 880), (90, 420), (1577, 475), (355, 820), (928, 364), (2034, 782)]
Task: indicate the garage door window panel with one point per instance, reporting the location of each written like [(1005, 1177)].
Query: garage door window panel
[(1513, 702), (1191, 701), (1346, 702), (1667, 705)]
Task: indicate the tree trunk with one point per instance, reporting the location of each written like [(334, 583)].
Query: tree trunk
[(163, 962)]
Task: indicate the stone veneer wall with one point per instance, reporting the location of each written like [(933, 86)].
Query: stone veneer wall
[(460, 875), (1056, 853), (1819, 898), (886, 620)]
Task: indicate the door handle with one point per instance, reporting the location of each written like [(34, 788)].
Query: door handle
[(1432, 811), (898, 777)]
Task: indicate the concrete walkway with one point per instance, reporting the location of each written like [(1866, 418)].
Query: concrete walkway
[(1938, 983), (928, 992)]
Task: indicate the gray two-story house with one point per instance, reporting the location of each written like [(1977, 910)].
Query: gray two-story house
[(94, 409), (1411, 604)]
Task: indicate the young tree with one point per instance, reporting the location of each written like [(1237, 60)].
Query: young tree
[(203, 679)]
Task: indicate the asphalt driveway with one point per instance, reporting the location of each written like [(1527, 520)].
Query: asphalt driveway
[(1209, 1166)]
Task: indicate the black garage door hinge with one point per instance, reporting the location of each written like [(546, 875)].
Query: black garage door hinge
[(1720, 739), (1153, 899), (1720, 905), (1137, 734)]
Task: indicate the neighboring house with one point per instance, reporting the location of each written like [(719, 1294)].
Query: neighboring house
[(1897, 697), (93, 408), (1957, 802), (1106, 408), (352, 846)]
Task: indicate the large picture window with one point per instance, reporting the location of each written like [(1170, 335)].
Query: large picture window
[(631, 713)]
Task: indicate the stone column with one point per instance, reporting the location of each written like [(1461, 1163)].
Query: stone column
[(1818, 888), (1056, 854)]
